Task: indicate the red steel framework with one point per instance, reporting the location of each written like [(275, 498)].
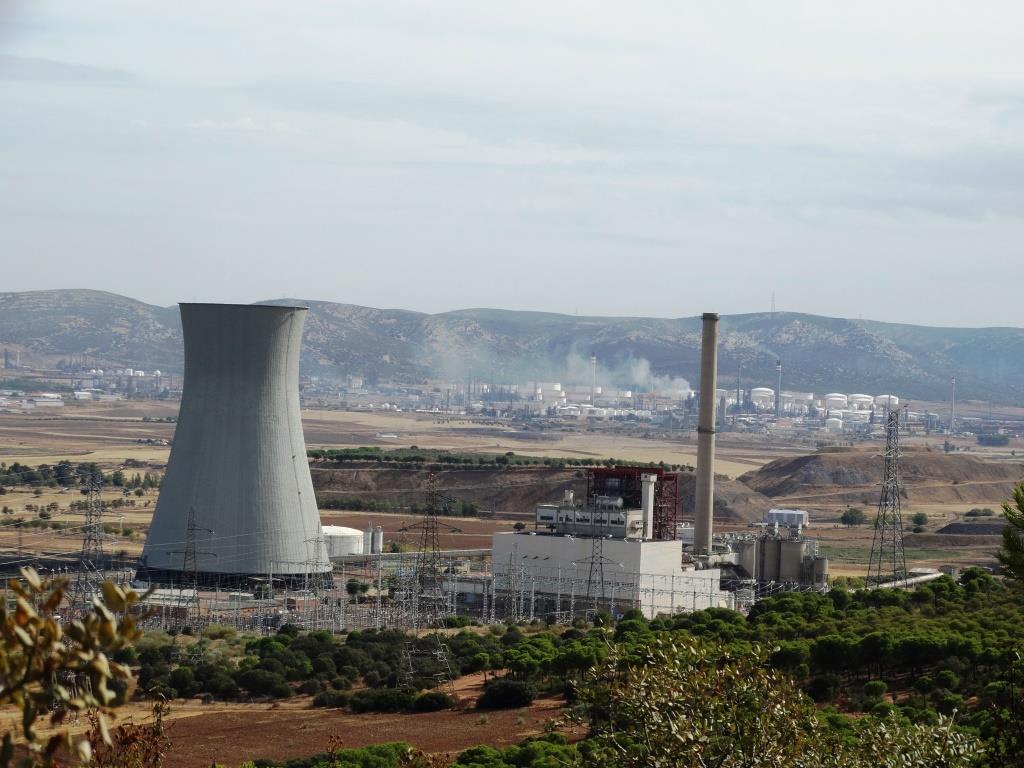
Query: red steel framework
[(625, 482)]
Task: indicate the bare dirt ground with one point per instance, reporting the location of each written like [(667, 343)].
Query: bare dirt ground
[(233, 736), (849, 549), (230, 734)]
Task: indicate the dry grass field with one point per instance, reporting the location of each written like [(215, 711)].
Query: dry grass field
[(111, 433), (328, 429)]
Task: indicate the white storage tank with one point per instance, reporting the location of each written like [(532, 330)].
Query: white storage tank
[(341, 541), (762, 396), (833, 424), (368, 540), (378, 540), (861, 402), (835, 401)]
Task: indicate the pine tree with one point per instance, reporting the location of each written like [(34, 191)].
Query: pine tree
[(1012, 553)]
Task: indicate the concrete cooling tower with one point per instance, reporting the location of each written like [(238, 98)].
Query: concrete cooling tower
[(237, 500)]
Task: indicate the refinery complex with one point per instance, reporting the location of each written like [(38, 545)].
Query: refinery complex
[(236, 535)]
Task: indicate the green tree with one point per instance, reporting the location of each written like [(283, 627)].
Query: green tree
[(1012, 553), (919, 519), (678, 701), (852, 517)]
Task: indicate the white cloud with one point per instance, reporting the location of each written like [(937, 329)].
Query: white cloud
[(532, 149)]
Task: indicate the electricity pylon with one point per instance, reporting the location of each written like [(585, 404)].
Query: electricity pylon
[(888, 560)]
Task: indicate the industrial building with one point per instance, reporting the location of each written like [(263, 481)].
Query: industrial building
[(613, 550), (559, 572), (617, 548), (237, 500)]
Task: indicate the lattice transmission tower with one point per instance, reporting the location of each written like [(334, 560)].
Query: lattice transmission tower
[(597, 597), (90, 567), (92, 533), (424, 601), (190, 561), (888, 560)]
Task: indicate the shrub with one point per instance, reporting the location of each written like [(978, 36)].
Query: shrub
[(950, 703), (323, 666), (219, 632), (882, 710), (222, 686), (875, 689), (331, 700), (823, 687), (432, 701), (381, 700), (947, 678), (506, 694), (183, 681), (264, 683), (311, 687), (375, 756)]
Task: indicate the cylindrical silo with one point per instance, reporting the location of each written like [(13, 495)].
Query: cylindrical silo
[(368, 540), (237, 500), (378, 540)]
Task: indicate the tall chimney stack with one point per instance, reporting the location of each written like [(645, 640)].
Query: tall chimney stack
[(778, 391), (648, 483), (705, 499)]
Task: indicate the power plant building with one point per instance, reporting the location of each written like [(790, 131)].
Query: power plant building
[(636, 573), (237, 500)]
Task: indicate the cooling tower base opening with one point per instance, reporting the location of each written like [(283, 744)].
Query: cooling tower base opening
[(235, 581)]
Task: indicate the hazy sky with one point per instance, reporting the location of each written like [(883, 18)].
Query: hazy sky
[(642, 158)]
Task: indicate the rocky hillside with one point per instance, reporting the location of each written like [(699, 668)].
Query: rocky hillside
[(819, 353)]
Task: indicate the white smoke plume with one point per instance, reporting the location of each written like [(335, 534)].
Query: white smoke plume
[(633, 373)]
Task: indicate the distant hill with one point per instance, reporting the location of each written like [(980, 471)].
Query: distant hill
[(835, 478), (819, 354)]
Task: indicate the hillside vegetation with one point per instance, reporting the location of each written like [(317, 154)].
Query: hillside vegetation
[(821, 354)]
